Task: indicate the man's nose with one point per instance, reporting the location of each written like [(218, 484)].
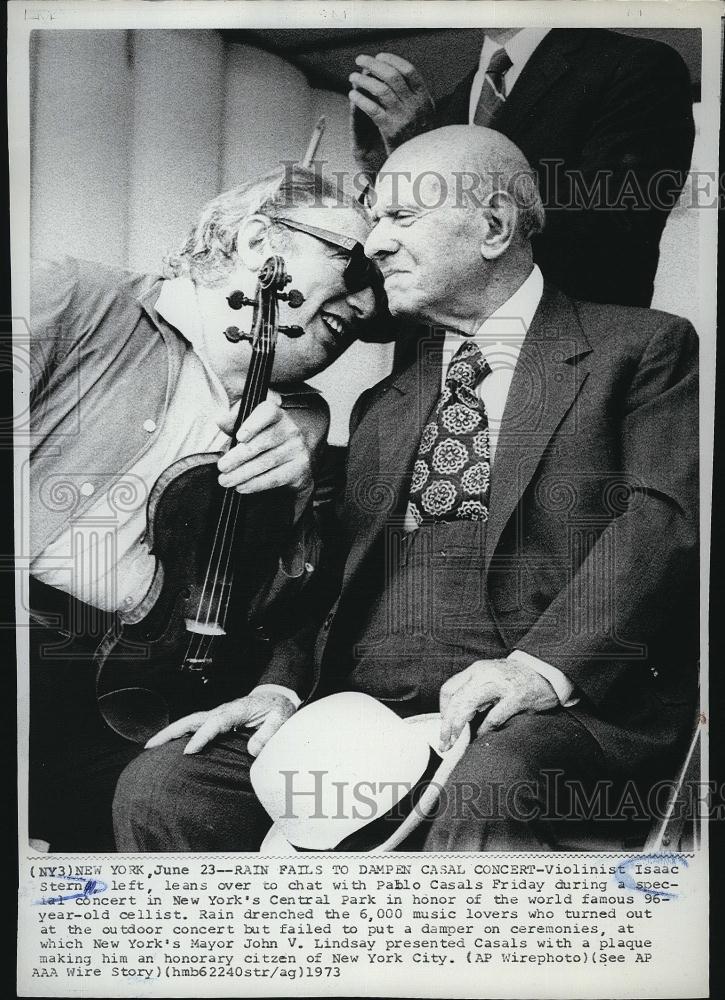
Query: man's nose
[(380, 241), (362, 303)]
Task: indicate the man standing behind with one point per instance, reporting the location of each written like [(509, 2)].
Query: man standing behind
[(604, 118), (521, 510)]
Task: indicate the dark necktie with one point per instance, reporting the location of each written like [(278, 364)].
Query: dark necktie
[(452, 472), (493, 91)]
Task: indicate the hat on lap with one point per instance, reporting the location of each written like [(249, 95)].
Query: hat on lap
[(347, 774)]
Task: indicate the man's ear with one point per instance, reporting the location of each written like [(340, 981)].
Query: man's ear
[(500, 215), (253, 241)]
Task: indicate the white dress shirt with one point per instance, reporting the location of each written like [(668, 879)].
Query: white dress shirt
[(519, 47)]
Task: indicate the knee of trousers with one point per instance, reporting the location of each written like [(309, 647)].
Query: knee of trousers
[(155, 786), (502, 756), (168, 800), (495, 778)]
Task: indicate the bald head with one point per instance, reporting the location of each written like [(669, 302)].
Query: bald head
[(458, 147), (467, 164), (454, 211)]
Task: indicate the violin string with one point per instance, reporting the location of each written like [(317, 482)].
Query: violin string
[(230, 501), (221, 593), (228, 514), (195, 648), (260, 379), (231, 504), (220, 532), (264, 381), (195, 636), (198, 651), (260, 369)]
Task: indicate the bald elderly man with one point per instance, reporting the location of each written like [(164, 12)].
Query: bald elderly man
[(521, 536)]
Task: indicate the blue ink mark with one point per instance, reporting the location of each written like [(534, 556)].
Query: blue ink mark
[(629, 880), (91, 888)]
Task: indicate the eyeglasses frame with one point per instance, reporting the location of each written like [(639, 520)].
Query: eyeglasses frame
[(348, 243)]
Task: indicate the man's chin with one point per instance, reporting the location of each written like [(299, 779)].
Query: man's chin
[(403, 306)]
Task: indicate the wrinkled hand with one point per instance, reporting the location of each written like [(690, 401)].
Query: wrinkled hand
[(264, 711), (510, 687), (392, 93), (271, 451)]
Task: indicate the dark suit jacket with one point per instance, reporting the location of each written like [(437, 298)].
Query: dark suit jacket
[(600, 116), (591, 544)]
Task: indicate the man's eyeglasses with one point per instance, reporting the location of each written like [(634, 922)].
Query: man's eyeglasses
[(359, 272)]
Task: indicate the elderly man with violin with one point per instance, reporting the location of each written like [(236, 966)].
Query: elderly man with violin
[(521, 528), (171, 494)]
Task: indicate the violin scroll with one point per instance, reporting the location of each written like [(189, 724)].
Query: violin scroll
[(271, 281)]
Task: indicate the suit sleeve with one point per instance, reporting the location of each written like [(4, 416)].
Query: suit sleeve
[(642, 573), (53, 289), (611, 206)]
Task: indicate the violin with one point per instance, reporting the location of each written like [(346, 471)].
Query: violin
[(190, 644)]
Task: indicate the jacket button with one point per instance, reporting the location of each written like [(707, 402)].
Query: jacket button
[(149, 425), (88, 489)]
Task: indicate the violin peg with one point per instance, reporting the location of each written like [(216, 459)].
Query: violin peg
[(238, 299), (294, 297), (234, 335)]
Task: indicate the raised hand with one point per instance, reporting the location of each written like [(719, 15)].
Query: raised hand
[(393, 95)]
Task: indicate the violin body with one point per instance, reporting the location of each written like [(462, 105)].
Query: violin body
[(155, 665)]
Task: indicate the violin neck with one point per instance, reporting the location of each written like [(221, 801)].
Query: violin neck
[(256, 385)]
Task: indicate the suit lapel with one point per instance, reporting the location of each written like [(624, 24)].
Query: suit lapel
[(549, 374), (386, 443), (548, 62)]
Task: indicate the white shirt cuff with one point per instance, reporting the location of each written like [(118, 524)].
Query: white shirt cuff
[(281, 689), (563, 687)]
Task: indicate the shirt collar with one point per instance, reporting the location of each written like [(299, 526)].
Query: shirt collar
[(178, 305), (507, 327)]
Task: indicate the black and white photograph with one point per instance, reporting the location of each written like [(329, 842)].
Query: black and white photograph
[(363, 460)]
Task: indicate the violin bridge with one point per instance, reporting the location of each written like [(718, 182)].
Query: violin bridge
[(204, 628), (196, 664)]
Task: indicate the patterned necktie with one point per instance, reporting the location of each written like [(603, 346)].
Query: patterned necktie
[(493, 90), (452, 473)]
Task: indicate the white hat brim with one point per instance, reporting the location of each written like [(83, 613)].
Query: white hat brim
[(275, 844)]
